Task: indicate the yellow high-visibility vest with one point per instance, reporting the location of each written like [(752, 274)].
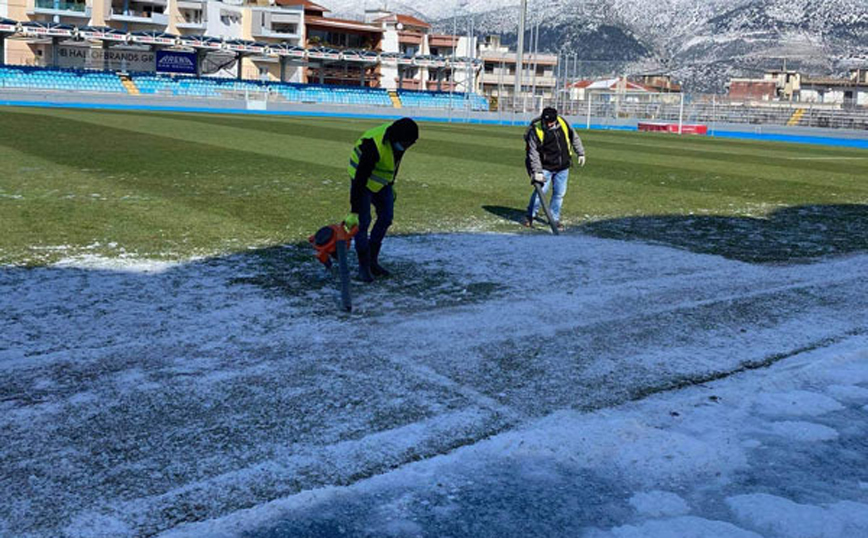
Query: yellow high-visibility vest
[(384, 170), (542, 136)]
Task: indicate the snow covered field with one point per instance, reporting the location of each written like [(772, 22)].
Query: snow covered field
[(497, 386)]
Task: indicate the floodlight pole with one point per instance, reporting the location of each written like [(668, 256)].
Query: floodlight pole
[(535, 63), (454, 40), (519, 70)]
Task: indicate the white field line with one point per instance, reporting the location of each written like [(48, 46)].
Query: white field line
[(827, 158)]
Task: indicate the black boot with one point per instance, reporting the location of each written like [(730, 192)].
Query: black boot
[(377, 269), (364, 266)]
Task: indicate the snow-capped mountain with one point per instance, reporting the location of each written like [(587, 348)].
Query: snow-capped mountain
[(701, 42)]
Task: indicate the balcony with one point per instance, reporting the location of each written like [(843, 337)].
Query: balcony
[(191, 20), (140, 17), (188, 25), (410, 38), (277, 32), (408, 84), (61, 8), (192, 15), (444, 85), (277, 23)]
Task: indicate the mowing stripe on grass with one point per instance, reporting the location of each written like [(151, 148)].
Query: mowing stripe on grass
[(192, 184)]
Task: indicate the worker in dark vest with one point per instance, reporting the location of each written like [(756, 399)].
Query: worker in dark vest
[(551, 146), (373, 168)]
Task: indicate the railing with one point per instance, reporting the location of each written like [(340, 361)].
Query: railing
[(140, 16), (740, 113), (183, 22), (708, 110), (277, 33), (77, 7)]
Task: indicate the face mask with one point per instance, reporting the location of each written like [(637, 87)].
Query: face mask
[(398, 146)]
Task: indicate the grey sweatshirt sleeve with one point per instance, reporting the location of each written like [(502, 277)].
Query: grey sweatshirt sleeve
[(533, 151), (577, 142)]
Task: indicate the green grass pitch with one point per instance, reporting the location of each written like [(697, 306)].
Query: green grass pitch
[(171, 185)]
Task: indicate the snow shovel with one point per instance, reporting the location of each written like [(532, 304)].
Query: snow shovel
[(545, 205), (332, 242)]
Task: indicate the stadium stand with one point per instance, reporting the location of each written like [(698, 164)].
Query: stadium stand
[(153, 84), (298, 93), (342, 95), (60, 80), (442, 100)]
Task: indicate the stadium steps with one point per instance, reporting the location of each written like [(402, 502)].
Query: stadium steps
[(396, 101), (128, 83), (796, 117)]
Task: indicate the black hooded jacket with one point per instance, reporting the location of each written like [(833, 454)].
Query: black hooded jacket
[(405, 131)]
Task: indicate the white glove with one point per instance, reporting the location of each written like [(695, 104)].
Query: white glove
[(581, 160), (540, 178)]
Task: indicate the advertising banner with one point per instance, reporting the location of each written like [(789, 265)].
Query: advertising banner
[(172, 61), (98, 58)]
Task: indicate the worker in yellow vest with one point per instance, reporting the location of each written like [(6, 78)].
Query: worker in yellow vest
[(552, 148), (373, 167)]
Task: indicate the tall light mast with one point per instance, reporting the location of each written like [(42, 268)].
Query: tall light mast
[(519, 67)]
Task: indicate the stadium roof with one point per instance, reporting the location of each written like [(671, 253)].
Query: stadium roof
[(406, 20), (8, 25)]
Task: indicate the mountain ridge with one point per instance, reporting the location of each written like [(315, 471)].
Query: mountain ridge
[(700, 43)]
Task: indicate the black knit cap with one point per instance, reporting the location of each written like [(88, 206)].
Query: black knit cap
[(549, 114), (404, 131)]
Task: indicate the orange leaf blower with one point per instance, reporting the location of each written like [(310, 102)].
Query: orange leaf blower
[(332, 242)]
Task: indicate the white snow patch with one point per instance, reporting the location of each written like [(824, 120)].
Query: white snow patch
[(796, 403), (659, 504), (846, 372), (803, 431), (679, 527), (782, 517), (192, 343), (635, 443), (120, 265), (848, 392), (94, 525), (626, 444)]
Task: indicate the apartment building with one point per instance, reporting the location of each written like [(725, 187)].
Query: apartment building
[(288, 40), (500, 73)]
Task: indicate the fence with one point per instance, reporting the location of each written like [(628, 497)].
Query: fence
[(625, 109)]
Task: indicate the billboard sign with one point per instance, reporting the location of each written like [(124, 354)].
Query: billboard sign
[(173, 61), (99, 58)]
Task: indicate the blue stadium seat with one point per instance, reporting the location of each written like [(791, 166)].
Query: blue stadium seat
[(151, 84)]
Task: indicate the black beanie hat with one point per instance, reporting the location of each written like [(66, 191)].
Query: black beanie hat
[(549, 114), (404, 131)]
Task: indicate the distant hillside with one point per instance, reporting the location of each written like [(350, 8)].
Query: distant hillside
[(702, 43)]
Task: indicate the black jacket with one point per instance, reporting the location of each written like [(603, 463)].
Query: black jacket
[(553, 154), (367, 162)]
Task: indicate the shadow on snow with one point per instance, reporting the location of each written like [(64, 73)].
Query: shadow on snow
[(792, 234)]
